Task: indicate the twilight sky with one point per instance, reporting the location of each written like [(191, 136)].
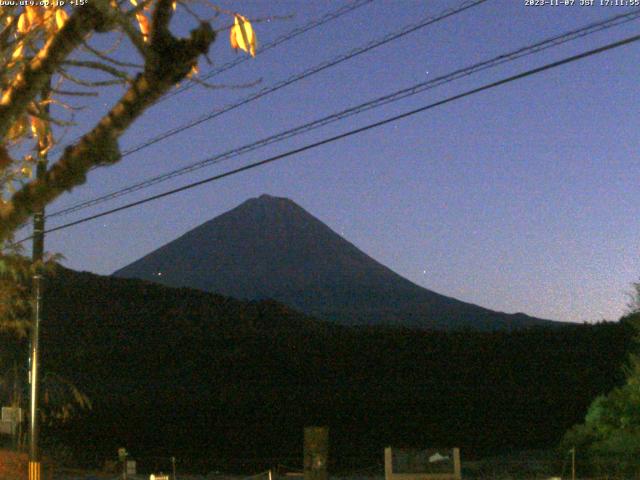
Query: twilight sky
[(521, 199)]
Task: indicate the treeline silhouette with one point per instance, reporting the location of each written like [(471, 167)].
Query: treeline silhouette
[(207, 378)]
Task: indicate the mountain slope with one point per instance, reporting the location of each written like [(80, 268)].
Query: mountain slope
[(270, 247)]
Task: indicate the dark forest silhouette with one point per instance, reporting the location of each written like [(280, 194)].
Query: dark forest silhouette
[(184, 372)]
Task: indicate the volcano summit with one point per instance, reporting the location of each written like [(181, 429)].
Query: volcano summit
[(270, 247)]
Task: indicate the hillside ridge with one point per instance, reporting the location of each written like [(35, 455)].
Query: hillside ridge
[(270, 247)]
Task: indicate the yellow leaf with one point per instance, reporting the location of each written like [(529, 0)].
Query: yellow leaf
[(17, 52), (23, 23), (31, 12), (242, 35), (146, 7), (232, 38), (36, 16), (194, 71), (61, 17), (38, 127), (145, 26)]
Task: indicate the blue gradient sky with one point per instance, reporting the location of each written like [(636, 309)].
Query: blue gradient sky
[(521, 199)]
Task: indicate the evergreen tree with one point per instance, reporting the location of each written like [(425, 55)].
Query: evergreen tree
[(608, 442)]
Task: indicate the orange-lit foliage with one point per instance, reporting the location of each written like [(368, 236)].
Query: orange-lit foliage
[(242, 35), (44, 52)]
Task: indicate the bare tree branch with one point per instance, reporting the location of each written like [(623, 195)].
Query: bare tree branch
[(100, 145), (133, 33), (105, 56), (36, 73), (220, 86), (73, 93), (99, 66), (86, 83)]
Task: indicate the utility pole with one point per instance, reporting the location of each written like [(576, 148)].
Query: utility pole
[(37, 256)]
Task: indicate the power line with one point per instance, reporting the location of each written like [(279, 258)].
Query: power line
[(309, 72), (268, 46), (375, 103), (326, 18), (350, 133), (305, 74)]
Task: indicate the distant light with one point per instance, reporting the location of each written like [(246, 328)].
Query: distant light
[(159, 274)]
